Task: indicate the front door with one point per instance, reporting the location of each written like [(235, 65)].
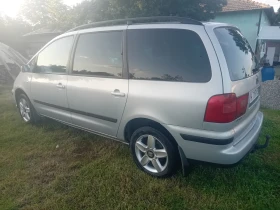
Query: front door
[(49, 80), (96, 89)]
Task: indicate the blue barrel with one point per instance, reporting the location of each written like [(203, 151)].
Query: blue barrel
[(268, 73)]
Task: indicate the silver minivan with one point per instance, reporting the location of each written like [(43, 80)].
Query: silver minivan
[(174, 89)]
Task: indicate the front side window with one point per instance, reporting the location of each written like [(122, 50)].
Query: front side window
[(167, 55), (54, 58), (99, 54)]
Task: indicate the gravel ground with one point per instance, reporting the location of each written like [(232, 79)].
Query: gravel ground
[(270, 94)]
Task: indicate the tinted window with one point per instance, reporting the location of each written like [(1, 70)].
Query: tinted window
[(238, 53), (54, 58), (99, 54), (167, 55)]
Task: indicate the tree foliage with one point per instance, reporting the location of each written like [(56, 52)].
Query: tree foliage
[(54, 13), (276, 18), (11, 31), (8, 24), (46, 13)]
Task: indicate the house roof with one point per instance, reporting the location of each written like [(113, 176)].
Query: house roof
[(241, 5)]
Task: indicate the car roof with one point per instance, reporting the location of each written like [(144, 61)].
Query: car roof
[(143, 20), (124, 26), (217, 24)]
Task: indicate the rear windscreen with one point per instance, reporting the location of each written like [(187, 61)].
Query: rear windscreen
[(238, 53)]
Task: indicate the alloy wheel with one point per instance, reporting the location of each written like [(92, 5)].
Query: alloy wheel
[(151, 153), (24, 110)]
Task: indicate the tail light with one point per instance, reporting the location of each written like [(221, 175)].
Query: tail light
[(242, 103), (225, 108)]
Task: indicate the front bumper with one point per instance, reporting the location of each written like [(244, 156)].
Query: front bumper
[(219, 153)]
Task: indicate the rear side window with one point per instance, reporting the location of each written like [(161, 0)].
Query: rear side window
[(167, 55), (54, 58), (99, 54), (240, 58)]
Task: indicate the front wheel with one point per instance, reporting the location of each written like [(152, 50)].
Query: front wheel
[(26, 110), (153, 152)]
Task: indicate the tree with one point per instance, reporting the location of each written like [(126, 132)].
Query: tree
[(276, 18), (12, 31), (97, 10), (46, 13), (53, 13)]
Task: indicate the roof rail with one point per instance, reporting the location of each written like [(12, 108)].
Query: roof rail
[(130, 21)]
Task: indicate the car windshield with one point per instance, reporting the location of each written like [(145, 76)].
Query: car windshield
[(238, 53)]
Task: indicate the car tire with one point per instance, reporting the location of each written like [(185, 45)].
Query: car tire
[(26, 110), (153, 152)]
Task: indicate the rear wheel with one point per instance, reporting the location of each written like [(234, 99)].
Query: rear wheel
[(26, 110), (153, 152)]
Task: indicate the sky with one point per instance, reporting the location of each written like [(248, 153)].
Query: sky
[(274, 3), (11, 7)]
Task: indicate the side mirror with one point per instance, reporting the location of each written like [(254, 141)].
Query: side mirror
[(24, 68)]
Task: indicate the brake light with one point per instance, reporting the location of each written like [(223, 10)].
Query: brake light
[(242, 103), (225, 108)]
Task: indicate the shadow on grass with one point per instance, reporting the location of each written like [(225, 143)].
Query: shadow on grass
[(253, 165)]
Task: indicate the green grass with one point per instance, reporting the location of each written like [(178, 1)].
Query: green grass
[(90, 172)]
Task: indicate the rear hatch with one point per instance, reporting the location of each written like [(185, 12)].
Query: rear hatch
[(245, 81)]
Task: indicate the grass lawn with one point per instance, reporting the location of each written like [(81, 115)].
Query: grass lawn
[(52, 166)]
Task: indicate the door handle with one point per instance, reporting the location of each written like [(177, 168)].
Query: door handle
[(60, 86), (118, 93)]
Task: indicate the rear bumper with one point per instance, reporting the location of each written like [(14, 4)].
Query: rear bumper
[(221, 150)]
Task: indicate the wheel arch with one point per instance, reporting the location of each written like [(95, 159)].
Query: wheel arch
[(18, 92), (136, 123)]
